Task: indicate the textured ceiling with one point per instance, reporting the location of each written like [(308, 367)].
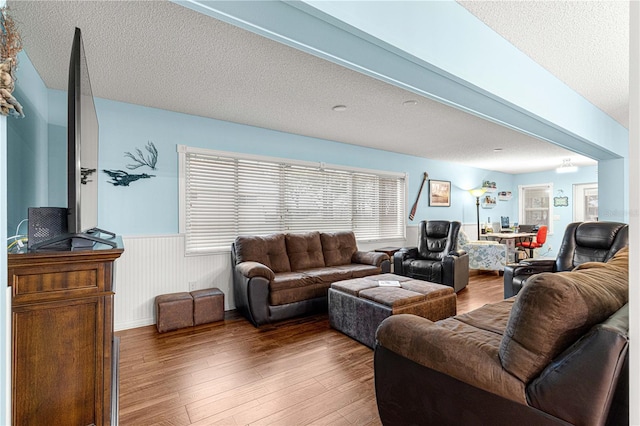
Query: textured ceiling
[(583, 43), (212, 69)]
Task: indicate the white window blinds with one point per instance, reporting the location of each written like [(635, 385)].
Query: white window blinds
[(224, 195)]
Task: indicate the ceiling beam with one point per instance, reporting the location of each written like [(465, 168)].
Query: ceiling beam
[(326, 31)]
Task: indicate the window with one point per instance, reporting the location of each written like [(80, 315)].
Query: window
[(223, 195), (535, 205), (585, 205)]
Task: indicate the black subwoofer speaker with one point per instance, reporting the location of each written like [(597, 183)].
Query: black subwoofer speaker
[(46, 223)]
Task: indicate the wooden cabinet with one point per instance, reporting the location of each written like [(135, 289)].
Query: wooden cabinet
[(62, 336)]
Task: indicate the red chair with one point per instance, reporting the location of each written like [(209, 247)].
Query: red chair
[(540, 239)]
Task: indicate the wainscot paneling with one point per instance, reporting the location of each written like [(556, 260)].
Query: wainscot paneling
[(153, 265)]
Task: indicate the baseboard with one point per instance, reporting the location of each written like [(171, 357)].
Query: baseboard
[(133, 324), (474, 272)]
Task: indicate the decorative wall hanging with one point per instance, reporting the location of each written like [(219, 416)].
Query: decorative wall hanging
[(140, 159), (150, 159), (504, 195), (489, 186), (10, 46), (439, 193), (412, 214), (122, 178), (560, 201)]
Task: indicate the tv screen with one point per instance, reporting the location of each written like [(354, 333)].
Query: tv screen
[(82, 134), (82, 160)]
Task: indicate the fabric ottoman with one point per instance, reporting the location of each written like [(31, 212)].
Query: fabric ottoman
[(358, 306)]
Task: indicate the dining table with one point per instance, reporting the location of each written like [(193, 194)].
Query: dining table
[(510, 239)]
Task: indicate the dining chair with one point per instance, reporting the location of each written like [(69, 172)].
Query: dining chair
[(540, 239)]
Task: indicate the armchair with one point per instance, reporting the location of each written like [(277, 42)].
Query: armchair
[(437, 258), (582, 242), (484, 255)]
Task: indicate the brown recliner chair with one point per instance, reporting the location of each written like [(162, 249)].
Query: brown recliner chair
[(582, 242), (437, 258)]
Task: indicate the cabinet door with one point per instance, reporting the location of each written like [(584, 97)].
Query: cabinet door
[(58, 362)]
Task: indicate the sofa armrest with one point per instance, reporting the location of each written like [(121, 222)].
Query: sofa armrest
[(369, 258), (582, 383), (406, 253), (456, 270), (515, 274), (532, 267), (450, 352), (546, 263), (255, 269), (251, 291), (411, 394), (400, 256)]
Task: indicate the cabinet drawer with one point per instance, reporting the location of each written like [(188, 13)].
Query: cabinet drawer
[(36, 286)]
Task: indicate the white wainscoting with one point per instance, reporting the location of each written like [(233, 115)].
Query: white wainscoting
[(153, 265), (412, 233), (471, 230)]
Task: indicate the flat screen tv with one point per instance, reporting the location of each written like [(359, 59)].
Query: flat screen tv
[(82, 158)]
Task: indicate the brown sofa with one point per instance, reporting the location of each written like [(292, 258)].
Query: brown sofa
[(280, 276), (555, 354)]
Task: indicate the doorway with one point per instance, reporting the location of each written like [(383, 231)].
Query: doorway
[(585, 205)]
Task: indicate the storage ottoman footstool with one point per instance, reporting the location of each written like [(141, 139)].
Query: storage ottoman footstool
[(174, 311), (358, 306), (208, 305)]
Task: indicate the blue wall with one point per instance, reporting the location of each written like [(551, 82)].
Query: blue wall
[(561, 182), (441, 51), (27, 167), (150, 206)]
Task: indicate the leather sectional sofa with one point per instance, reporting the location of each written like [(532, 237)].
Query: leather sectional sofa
[(555, 354), (280, 276)]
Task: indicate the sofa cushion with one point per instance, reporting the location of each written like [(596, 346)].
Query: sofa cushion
[(359, 270), (463, 238), (338, 247), (270, 250), (288, 280), (491, 317), (427, 270), (289, 287), (452, 347), (554, 309), (304, 250), (328, 275)]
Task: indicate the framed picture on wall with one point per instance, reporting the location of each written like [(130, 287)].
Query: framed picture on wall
[(439, 193)]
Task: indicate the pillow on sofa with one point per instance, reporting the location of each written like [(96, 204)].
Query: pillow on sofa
[(555, 309), (338, 247), (304, 250), (270, 250), (463, 238)]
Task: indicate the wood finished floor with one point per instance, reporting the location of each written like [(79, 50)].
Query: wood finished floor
[(297, 372)]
